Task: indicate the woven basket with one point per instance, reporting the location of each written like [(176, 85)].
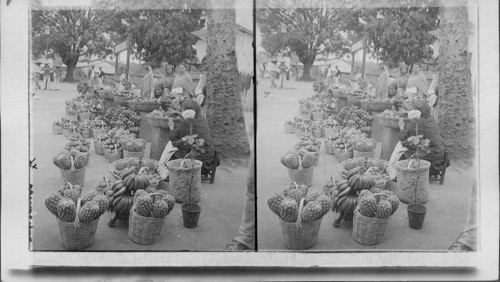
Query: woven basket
[(379, 106), (354, 100), (342, 155), (289, 129), (317, 133), (145, 230), (145, 106), (122, 101), (98, 131), (392, 122), (331, 130), (329, 147), (158, 122), (84, 116), (381, 164), (305, 116), (406, 182), (57, 129), (67, 132), (300, 238), (299, 131), (367, 230), (73, 176), (318, 115), (112, 167), (179, 179), (86, 134), (112, 155), (98, 146), (359, 154), (77, 238), (301, 175), (128, 154)]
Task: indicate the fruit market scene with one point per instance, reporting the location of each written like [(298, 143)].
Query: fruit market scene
[(141, 128), (366, 125)]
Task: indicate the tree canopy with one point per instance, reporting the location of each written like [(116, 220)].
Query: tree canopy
[(73, 33), (309, 31)]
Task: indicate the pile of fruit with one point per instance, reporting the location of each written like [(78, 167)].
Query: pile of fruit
[(377, 171), (299, 159), (365, 144), (122, 118), (331, 122), (147, 168), (99, 124), (157, 204), (286, 204), (134, 144), (125, 94), (377, 203), (112, 139), (303, 124), (358, 93), (68, 159), (353, 117), (175, 116), (394, 114), (63, 204), (340, 142), (75, 147)]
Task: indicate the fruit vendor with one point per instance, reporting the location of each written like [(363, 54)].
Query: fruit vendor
[(417, 81), (159, 93), (402, 79), (168, 79), (428, 127), (183, 81)]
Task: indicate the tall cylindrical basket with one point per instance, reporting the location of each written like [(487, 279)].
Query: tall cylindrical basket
[(329, 147), (179, 179), (406, 178), (301, 175), (300, 238), (73, 176)]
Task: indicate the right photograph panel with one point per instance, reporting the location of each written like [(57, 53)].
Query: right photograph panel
[(366, 125)]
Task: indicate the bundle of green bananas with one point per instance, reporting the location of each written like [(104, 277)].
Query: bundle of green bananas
[(345, 199), (121, 201)]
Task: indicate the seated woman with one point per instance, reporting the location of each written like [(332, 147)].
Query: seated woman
[(200, 127), (428, 127)]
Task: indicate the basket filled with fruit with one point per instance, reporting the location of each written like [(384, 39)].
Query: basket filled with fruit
[(372, 216), (57, 128), (289, 127), (112, 151), (72, 165), (354, 97), (120, 169), (317, 128), (329, 145), (142, 105), (390, 118), (300, 215), (161, 118), (317, 113), (331, 126), (121, 98), (377, 105), (148, 215), (77, 217), (86, 129), (83, 114), (305, 112), (377, 169), (364, 147), (99, 127), (300, 165), (133, 147)]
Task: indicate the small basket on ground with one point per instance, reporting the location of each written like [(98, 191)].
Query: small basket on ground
[(98, 147), (86, 134), (360, 154), (73, 176), (299, 235), (57, 129), (128, 154), (77, 238), (367, 230), (406, 177), (318, 115), (317, 133), (329, 147), (113, 155), (84, 116), (301, 175), (145, 230), (342, 154), (289, 129), (179, 179)]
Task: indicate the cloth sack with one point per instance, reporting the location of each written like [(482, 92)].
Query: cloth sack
[(168, 152)]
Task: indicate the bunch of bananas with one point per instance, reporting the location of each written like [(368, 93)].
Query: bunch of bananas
[(345, 200), (121, 201), (359, 181)]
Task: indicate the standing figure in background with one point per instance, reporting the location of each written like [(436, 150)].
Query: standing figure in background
[(183, 84), (382, 83), (282, 72), (168, 79), (52, 79), (123, 78), (201, 88), (328, 73), (92, 76), (402, 79), (417, 84), (46, 78), (57, 77), (273, 72), (147, 89), (101, 77), (336, 78), (432, 95), (293, 76)]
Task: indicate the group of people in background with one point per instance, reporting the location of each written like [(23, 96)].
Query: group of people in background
[(50, 78), (408, 86), (281, 75)]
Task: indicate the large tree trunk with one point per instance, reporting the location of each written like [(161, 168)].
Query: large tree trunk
[(308, 63), (456, 104), (224, 107), (70, 68)]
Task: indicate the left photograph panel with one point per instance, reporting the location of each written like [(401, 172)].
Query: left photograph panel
[(141, 126)]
